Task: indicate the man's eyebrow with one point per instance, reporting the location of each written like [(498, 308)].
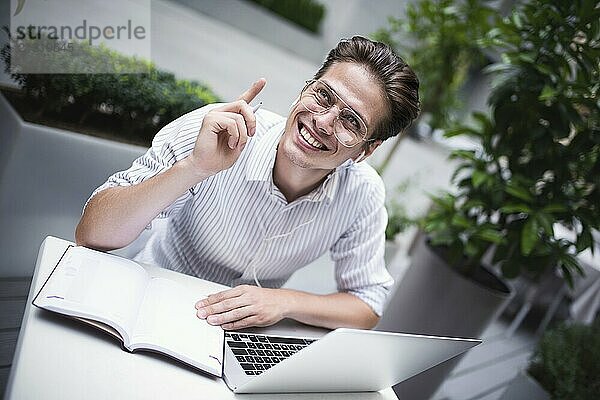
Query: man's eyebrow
[(345, 103)]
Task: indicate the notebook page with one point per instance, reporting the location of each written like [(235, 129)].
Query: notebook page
[(96, 285), (168, 322)]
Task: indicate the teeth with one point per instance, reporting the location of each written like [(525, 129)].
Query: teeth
[(313, 142)]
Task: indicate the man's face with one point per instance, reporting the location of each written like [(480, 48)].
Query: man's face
[(358, 90)]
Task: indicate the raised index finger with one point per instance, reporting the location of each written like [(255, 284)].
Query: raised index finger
[(253, 91)]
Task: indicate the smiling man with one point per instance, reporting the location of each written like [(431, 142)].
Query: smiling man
[(251, 198)]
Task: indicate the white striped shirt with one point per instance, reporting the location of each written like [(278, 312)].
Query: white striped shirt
[(237, 220)]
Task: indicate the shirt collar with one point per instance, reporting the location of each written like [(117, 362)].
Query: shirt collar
[(262, 160)]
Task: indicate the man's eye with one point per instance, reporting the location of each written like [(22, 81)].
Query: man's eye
[(324, 97), (351, 121)]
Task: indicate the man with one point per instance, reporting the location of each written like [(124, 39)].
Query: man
[(252, 198)]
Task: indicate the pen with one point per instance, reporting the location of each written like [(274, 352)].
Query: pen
[(256, 107)]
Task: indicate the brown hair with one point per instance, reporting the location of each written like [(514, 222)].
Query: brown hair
[(398, 81)]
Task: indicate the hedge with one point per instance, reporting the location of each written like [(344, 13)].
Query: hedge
[(131, 106), (307, 14)]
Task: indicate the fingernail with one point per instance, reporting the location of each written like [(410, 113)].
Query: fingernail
[(202, 313), (231, 143), (211, 320)]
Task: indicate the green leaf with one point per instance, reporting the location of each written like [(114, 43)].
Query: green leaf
[(445, 201), (458, 170), (461, 130), (481, 118), (473, 203), (471, 249), (478, 178), (584, 240), (554, 208), (526, 58), (450, 10), (516, 208), (519, 192), (490, 235), (571, 263), (545, 222), (466, 154), (461, 221), (548, 93), (544, 69), (529, 236), (567, 275), (516, 19)]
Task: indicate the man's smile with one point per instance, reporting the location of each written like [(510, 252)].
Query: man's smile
[(309, 138)]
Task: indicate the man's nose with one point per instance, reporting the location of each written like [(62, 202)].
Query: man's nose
[(324, 122)]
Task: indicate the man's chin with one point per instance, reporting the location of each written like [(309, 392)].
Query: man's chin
[(296, 157)]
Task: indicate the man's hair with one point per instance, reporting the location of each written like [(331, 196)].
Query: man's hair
[(398, 81)]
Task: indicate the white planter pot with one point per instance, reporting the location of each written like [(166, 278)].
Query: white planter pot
[(432, 298)]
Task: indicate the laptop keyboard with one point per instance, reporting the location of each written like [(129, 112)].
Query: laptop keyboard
[(257, 353)]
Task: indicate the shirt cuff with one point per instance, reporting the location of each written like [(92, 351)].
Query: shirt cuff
[(374, 296)]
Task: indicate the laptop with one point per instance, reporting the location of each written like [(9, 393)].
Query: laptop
[(344, 360)]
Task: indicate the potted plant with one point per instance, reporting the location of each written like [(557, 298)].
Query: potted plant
[(536, 164), (565, 366), (439, 39)]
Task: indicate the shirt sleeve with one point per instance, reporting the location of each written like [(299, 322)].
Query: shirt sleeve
[(359, 254), (172, 143)]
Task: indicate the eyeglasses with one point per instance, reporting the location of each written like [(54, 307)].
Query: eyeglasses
[(318, 98)]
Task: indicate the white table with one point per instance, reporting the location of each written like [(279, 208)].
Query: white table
[(59, 358)]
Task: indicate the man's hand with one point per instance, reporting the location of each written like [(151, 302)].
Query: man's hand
[(244, 306), (224, 133)]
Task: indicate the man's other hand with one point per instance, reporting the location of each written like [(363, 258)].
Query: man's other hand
[(244, 306)]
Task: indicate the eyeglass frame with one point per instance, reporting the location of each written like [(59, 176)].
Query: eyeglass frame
[(312, 81)]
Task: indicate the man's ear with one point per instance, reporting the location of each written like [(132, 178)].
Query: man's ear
[(372, 146), (368, 149)]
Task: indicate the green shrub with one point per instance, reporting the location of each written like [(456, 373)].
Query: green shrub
[(305, 13), (133, 106), (567, 362), (537, 162)]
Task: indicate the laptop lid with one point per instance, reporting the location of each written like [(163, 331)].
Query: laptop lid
[(349, 360)]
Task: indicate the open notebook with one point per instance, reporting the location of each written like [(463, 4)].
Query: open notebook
[(138, 304)]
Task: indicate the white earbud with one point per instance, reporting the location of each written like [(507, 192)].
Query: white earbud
[(361, 157)]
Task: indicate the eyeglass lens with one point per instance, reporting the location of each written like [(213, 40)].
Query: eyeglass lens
[(349, 128)]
